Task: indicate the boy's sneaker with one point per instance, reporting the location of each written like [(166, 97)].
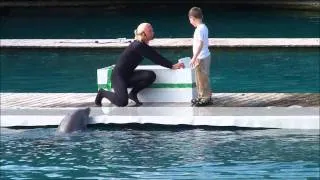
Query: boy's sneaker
[(204, 102), (194, 101)]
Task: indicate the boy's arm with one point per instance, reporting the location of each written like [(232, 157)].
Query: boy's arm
[(195, 61)]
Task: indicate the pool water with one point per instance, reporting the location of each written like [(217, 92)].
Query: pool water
[(173, 153), (159, 154), (169, 21), (232, 70)]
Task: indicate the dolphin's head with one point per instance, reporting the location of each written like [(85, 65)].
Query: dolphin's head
[(75, 121), (87, 110)]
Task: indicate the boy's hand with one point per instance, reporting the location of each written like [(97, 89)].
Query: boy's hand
[(194, 62), (178, 66)]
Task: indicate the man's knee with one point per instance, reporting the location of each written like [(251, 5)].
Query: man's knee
[(151, 76), (121, 102)]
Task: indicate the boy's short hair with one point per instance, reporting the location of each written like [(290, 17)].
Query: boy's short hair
[(195, 12)]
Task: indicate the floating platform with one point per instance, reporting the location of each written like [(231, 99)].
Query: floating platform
[(159, 42), (245, 110)]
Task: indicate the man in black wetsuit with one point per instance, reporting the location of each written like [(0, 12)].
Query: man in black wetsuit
[(124, 74)]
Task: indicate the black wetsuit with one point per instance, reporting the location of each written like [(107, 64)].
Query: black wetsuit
[(125, 76)]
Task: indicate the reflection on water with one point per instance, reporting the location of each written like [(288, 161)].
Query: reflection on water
[(144, 154)]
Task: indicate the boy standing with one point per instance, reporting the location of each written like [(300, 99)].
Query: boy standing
[(201, 57)]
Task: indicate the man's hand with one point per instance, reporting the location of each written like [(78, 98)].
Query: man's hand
[(178, 66)]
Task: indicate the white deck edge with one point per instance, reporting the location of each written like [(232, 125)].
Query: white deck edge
[(159, 42), (282, 122), (271, 119)]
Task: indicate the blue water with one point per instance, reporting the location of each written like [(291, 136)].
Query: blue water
[(154, 154), (232, 70), (168, 21), (167, 154)]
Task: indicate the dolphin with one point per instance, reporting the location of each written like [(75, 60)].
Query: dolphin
[(75, 121)]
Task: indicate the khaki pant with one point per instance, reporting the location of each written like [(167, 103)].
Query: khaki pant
[(202, 78)]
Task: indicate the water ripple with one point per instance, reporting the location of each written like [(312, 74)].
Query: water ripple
[(189, 154)]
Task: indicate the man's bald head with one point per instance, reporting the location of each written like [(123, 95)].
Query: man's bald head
[(144, 32), (142, 27)]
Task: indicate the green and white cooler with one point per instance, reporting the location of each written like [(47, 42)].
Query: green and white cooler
[(169, 86)]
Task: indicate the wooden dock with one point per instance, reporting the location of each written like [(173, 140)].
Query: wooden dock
[(242, 110), (60, 100), (160, 43)]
